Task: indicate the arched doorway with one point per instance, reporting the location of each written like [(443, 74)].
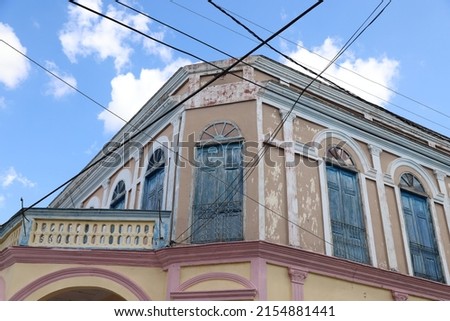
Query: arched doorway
[(83, 294)]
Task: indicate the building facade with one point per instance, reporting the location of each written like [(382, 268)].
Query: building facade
[(249, 189)]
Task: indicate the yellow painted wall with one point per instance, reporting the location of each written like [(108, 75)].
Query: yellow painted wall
[(241, 269), (323, 288), (151, 280), (278, 283)]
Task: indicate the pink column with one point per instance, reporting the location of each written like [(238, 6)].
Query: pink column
[(173, 279), (298, 277), (2, 289), (259, 277)]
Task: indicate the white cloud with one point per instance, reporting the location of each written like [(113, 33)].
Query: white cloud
[(129, 93), (55, 87), (11, 176), (380, 70), (86, 34), (14, 67)]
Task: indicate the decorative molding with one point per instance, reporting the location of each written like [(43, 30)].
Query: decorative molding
[(348, 140), (80, 272), (375, 150), (363, 130), (394, 165), (248, 293), (219, 253), (384, 207), (399, 296), (298, 276), (216, 276), (232, 295)]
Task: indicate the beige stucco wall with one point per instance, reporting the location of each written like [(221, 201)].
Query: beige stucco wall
[(324, 288), (275, 197), (151, 280), (278, 283), (196, 120), (310, 205)]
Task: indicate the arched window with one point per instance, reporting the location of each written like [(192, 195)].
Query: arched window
[(217, 204), (420, 230), (118, 198), (154, 181), (347, 220)]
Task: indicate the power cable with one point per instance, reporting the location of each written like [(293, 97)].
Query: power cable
[(416, 101), (188, 97), (61, 79), (212, 47), (264, 149)]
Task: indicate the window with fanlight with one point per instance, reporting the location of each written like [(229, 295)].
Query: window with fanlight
[(217, 203), (119, 195), (154, 181), (422, 241), (347, 220)]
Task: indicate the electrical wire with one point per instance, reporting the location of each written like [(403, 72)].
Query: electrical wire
[(309, 68), (155, 40), (264, 149), (173, 108), (62, 80), (214, 48)]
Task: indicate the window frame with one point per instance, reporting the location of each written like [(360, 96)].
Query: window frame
[(224, 141), (348, 165), (151, 172), (412, 191), (119, 197)]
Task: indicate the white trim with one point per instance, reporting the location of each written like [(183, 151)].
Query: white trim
[(291, 181), (368, 220), (364, 197), (440, 176), (394, 165), (261, 178), (156, 144), (323, 134), (384, 208), (327, 233), (136, 159), (432, 209), (177, 168), (441, 249)]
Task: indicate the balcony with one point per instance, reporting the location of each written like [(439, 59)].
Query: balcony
[(87, 228)]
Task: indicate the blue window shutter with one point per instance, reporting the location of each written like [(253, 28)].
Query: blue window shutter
[(347, 223), (217, 207), (422, 242), (153, 190)]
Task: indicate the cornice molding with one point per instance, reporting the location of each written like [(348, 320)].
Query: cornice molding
[(218, 253), (358, 128)]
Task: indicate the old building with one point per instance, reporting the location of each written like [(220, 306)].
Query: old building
[(249, 189)]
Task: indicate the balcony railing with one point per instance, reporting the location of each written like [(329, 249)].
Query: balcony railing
[(87, 228)]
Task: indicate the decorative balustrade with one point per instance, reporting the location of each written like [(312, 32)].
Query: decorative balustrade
[(89, 228), (11, 239), (73, 233)]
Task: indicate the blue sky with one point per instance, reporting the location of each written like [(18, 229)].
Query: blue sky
[(50, 131)]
